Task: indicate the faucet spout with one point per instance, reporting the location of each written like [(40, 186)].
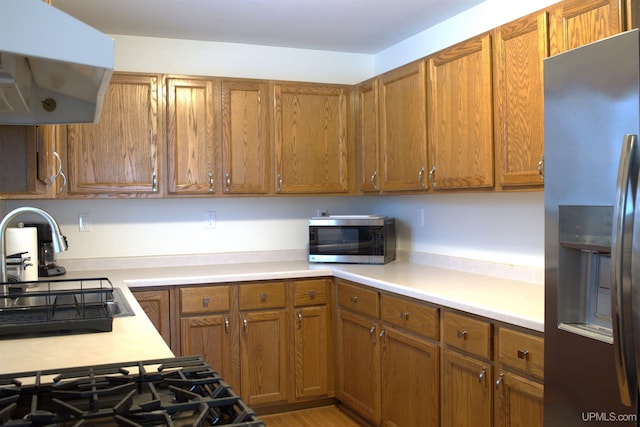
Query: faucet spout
[(59, 241)]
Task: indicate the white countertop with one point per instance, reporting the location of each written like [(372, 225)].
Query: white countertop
[(134, 338), (511, 301)]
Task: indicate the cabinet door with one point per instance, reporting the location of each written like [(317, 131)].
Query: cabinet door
[(210, 336), (25, 152), (263, 357), (461, 116), (403, 128), (156, 306), (119, 155), (466, 391), (520, 48), (311, 352), (519, 401), (245, 137), (311, 138), (191, 141), (410, 381), (368, 135), (579, 22), (359, 364)]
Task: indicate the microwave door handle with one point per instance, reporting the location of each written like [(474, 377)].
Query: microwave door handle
[(623, 218)]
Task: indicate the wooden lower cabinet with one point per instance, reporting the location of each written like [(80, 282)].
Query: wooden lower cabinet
[(312, 353), (397, 361), (519, 388), (209, 337), (206, 327), (518, 401), (467, 391), (359, 364), (155, 303), (410, 380), (269, 340), (263, 358)]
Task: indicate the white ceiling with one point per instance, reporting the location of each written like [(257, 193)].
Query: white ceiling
[(355, 26)]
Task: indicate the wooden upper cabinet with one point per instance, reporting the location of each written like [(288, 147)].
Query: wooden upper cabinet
[(311, 138), (119, 155), (520, 48), (191, 141), (368, 135), (460, 116), (575, 23), (25, 157), (245, 137), (403, 128)]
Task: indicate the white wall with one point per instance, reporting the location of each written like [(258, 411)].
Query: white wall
[(123, 228), (477, 20), (496, 227), (505, 228), (149, 54)]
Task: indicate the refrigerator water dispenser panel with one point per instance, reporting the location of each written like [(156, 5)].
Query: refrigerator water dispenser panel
[(584, 271)]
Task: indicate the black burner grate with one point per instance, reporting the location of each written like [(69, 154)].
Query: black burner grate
[(182, 391)]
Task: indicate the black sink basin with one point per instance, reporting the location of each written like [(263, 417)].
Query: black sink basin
[(118, 306)]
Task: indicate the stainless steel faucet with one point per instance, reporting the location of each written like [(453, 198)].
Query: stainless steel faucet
[(59, 241)]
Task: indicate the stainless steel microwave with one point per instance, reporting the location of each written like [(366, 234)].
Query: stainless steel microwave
[(358, 239)]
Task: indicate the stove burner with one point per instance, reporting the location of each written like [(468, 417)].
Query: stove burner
[(178, 392)]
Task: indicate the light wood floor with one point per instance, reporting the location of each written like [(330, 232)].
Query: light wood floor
[(326, 416)]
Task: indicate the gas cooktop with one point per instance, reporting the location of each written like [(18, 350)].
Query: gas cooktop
[(182, 391)]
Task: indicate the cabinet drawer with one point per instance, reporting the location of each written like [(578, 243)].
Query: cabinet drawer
[(413, 316), (261, 295), (310, 292), (465, 333), (521, 351), (204, 299), (358, 299)]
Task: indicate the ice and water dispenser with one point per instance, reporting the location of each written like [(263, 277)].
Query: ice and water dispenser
[(584, 270)]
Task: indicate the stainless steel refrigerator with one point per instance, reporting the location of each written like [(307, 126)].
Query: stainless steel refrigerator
[(592, 249)]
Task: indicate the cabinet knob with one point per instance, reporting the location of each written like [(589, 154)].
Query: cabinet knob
[(354, 299), (462, 334), (421, 177), (227, 182), (206, 301), (404, 315), (523, 354), (499, 382), (482, 377), (312, 294), (432, 177), (263, 298)]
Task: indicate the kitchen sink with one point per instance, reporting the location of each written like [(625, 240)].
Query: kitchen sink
[(115, 301), (119, 306), (58, 306)]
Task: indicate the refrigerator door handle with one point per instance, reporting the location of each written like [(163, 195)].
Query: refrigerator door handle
[(621, 308)]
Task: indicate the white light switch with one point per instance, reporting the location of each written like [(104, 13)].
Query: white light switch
[(210, 219), (84, 222)]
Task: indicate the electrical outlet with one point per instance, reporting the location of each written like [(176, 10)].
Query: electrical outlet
[(210, 219), (84, 222), (322, 212)]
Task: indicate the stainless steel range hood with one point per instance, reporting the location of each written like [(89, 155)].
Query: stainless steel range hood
[(53, 67)]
